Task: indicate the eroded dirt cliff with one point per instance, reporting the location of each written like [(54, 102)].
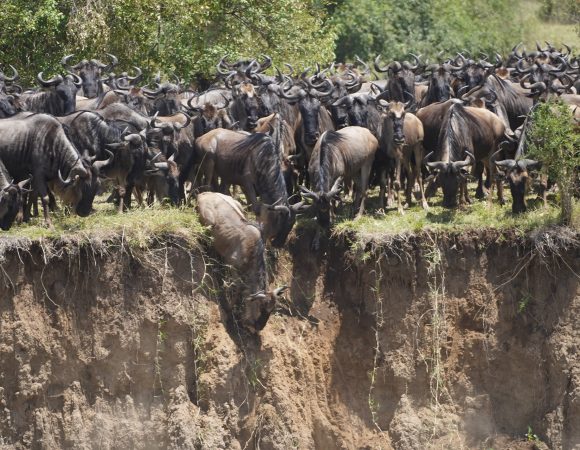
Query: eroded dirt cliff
[(423, 341)]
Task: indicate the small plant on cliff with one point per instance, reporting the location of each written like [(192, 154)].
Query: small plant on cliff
[(530, 435), (556, 143)]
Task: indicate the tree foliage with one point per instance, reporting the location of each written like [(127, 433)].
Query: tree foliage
[(393, 29), (566, 11), (185, 36), (554, 140)]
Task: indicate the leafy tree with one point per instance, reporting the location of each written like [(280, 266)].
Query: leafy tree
[(183, 36), (369, 27), (555, 141)]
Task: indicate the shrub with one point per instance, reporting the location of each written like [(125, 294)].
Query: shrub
[(554, 140)]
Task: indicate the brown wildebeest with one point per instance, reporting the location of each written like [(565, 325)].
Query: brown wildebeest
[(402, 136), (252, 162), (345, 154), (467, 135), (240, 244)]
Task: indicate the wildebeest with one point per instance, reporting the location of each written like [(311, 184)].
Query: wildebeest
[(90, 72), (11, 196), (345, 154), (58, 97), (240, 244), (130, 157), (253, 163), (402, 136), (36, 144), (467, 135)]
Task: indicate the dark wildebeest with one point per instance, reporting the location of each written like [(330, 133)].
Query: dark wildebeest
[(8, 105), (58, 98), (165, 100), (516, 105), (130, 157), (11, 196), (439, 89), (401, 83), (516, 169), (37, 144), (240, 244), (91, 73), (253, 163), (346, 154), (468, 135), (402, 136)]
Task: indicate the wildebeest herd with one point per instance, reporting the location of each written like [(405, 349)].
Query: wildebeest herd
[(290, 141)]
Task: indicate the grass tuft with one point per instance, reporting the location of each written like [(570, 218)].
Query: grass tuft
[(138, 226)]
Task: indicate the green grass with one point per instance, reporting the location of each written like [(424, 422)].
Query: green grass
[(479, 215), (137, 226)]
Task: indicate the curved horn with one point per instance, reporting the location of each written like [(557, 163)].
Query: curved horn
[(77, 81), (69, 181), (137, 77), (113, 63), (14, 77), (48, 83), (506, 163), (530, 164), (437, 165), (65, 62), (22, 184), (179, 126), (266, 64), (377, 66), (101, 164)]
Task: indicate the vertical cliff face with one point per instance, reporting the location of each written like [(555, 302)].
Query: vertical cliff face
[(415, 342)]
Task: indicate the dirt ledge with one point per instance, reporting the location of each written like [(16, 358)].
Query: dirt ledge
[(432, 340)]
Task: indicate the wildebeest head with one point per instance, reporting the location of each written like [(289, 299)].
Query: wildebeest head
[(324, 202), (10, 203), (167, 179), (82, 184), (65, 88), (308, 100), (277, 222), (395, 112), (449, 175), (439, 84), (256, 309), (517, 174), (134, 98), (245, 93), (7, 105), (165, 98), (90, 72)]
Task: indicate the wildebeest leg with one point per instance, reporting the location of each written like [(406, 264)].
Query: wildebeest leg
[(121, 190), (42, 190), (383, 185), (397, 184), (52, 202), (417, 175), (498, 183), (361, 189), (478, 169)]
